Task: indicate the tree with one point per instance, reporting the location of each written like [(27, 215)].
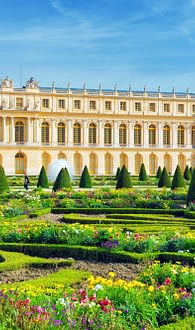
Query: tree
[(142, 173), (164, 180), (3, 181), (191, 170), (178, 179), (191, 190), (158, 173), (117, 173), (61, 180), (43, 179), (187, 173), (124, 180), (67, 179), (85, 180)]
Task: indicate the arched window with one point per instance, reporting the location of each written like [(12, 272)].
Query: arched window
[(108, 163), (61, 155), (19, 163), (45, 133), (138, 162), (46, 160), (123, 160), (152, 135), (107, 134), (77, 133), (168, 163), (152, 164), (180, 135), (122, 134), (92, 134), (19, 132), (78, 163), (166, 135), (61, 133), (182, 162), (193, 136), (93, 163), (137, 135)]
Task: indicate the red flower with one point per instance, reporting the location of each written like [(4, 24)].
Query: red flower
[(167, 281)]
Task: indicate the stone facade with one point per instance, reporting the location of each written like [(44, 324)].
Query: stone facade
[(102, 129)]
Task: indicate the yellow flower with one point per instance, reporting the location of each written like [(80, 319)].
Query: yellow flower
[(111, 274), (151, 288), (154, 306), (176, 296)]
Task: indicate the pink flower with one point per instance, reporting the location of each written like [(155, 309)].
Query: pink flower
[(167, 281)]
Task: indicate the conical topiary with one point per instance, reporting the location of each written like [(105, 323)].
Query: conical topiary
[(187, 173), (124, 180), (191, 170), (43, 179), (117, 173), (142, 173), (178, 179), (67, 179), (3, 181), (164, 180), (191, 190), (85, 180), (60, 181), (158, 173)]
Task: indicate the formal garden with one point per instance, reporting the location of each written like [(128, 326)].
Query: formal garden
[(98, 252)]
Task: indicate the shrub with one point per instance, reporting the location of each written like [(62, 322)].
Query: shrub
[(187, 173), (142, 173), (43, 179), (62, 180), (67, 179), (124, 180), (3, 181), (164, 180), (85, 181), (117, 173), (158, 173), (178, 180), (191, 190)]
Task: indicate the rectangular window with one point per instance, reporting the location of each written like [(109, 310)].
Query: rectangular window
[(77, 104), (19, 102), (193, 109), (123, 106), (138, 106), (108, 105), (152, 107), (92, 105), (61, 103), (180, 108), (45, 103), (166, 107)]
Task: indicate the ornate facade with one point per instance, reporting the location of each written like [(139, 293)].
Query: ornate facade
[(102, 129)]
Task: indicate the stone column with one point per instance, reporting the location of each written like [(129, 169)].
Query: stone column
[(84, 133), (12, 131), (28, 131), (115, 139), (101, 133), (4, 130)]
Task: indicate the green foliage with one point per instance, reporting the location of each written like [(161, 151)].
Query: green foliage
[(3, 181), (67, 179), (62, 180), (187, 173), (178, 179), (191, 170), (191, 190), (164, 180), (43, 179), (117, 173), (85, 181), (142, 173), (124, 180), (158, 173)]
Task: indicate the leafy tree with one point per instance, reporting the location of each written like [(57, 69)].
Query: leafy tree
[(178, 179), (3, 181), (117, 173), (158, 173), (187, 173), (164, 180), (85, 180), (142, 173), (43, 179), (191, 190), (60, 181), (124, 180)]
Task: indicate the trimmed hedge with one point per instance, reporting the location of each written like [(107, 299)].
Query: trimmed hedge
[(40, 212), (188, 323)]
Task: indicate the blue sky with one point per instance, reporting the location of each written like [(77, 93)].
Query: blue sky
[(122, 42)]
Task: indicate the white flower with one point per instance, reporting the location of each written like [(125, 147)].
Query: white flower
[(98, 287)]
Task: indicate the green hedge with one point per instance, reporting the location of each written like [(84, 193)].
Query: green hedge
[(186, 324), (38, 213)]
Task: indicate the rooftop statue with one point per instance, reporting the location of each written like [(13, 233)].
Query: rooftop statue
[(7, 83), (31, 83)]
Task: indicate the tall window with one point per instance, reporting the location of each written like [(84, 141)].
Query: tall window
[(19, 163), (152, 107), (180, 108), (193, 109), (77, 133), (92, 105), (152, 135), (152, 164), (123, 106), (45, 133), (19, 132), (108, 105), (166, 135), (138, 106), (193, 136), (122, 134), (61, 133), (77, 104), (137, 163), (137, 135), (180, 135), (45, 103), (92, 134), (166, 107), (61, 103), (19, 102), (107, 134)]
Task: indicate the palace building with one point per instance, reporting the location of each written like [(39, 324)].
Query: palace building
[(102, 129)]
